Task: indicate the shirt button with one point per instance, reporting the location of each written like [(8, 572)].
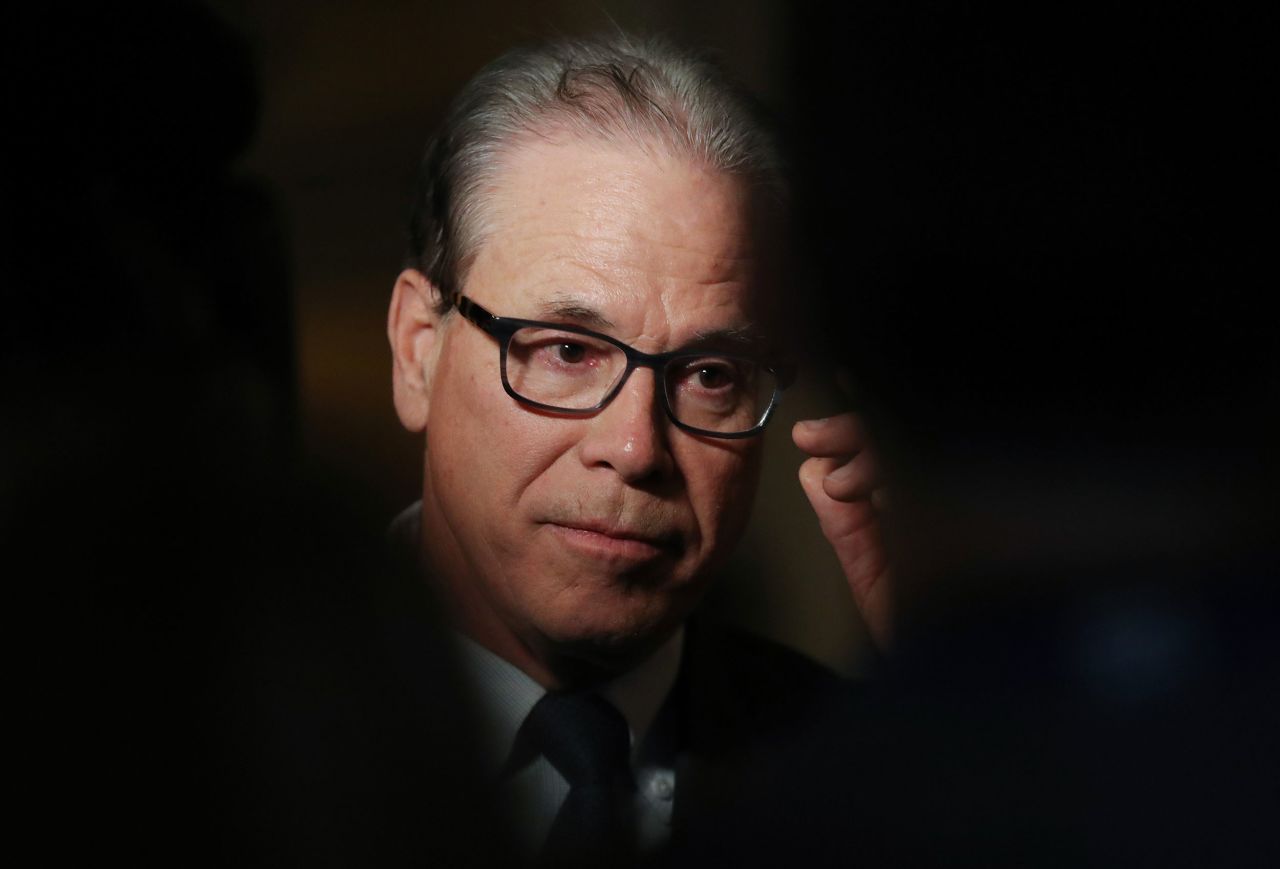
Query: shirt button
[(663, 787)]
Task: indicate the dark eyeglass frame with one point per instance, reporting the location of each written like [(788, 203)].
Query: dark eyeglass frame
[(503, 329)]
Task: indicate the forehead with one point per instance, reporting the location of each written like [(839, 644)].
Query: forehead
[(656, 244)]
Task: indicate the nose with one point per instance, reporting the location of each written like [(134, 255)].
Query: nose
[(630, 434)]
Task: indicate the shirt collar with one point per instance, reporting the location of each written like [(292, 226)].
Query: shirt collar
[(505, 694)]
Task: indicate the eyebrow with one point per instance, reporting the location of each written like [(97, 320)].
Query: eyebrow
[(567, 308), (740, 339), (743, 339)]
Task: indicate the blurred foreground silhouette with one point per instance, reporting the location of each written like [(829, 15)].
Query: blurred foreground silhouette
[(220, 664)]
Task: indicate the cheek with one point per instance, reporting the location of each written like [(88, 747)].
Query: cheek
[(722, 487), (493, 452), (465, 431), (535, 449)]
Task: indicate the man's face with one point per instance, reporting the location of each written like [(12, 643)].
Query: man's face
[(588, 538)]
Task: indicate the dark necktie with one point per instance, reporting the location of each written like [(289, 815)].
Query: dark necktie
[(587, 741)]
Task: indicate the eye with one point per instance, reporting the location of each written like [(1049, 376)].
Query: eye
[(713, 377), (710, 375), (570, 352)]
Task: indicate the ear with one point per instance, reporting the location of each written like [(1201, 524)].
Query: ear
[(413, 328)]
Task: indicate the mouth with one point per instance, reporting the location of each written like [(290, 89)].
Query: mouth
[(614, 543)]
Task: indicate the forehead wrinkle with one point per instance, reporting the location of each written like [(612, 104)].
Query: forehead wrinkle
[(614, 230), (717, 314), (601, 255), (616, 210), (731, 262)]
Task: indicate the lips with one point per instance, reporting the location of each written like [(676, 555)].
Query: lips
[(615, 542), (617, 532)]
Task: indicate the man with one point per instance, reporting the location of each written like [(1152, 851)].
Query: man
[(583, 336)]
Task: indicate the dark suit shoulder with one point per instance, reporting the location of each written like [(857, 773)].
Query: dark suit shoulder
[(753, 660), (740, 703), (742, 688)]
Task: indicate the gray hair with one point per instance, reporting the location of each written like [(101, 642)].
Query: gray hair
[(614, 87)]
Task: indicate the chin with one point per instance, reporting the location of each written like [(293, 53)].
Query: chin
[(611, 639)]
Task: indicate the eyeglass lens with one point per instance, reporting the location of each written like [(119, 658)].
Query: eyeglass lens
[(569, 371)]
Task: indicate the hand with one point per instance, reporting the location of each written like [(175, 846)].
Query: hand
[(840, 480)]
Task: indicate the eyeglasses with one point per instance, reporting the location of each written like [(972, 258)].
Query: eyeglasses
[(570, 370)]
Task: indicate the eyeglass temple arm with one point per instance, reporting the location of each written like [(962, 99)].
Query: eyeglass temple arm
[(474, 312)]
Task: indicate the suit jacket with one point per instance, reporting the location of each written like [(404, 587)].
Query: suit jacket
[(738, 702)]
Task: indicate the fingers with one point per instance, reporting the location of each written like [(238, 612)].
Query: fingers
[(840, 479), (840, 435), (854, 480), (848, 468), (852, 529), (838, 517)]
